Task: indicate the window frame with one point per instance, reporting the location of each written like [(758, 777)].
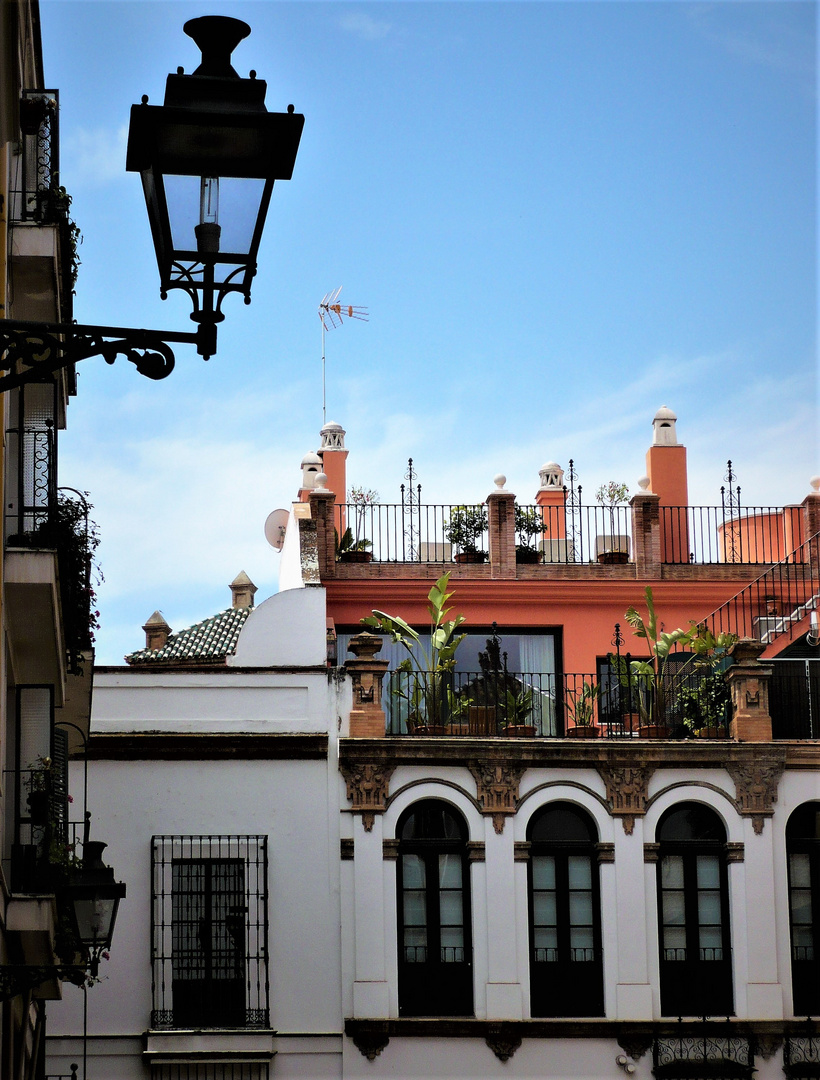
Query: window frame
[(686, 987), (560, 987), (805, 972), (434, 986), (209, 1001)]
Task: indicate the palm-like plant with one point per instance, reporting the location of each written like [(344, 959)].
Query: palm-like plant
[(651, 677), (425, 689)]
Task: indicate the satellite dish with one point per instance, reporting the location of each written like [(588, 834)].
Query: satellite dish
[(275, 526)]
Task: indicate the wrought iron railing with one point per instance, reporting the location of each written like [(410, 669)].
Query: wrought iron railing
[(705, 535), (448, 533), (711, 535), (794, 699), (774, 605), (679, 704), (32, 462), (209, 928), (37, 196)]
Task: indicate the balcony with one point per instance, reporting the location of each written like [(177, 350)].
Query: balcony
[(568, 535), (544, 705)]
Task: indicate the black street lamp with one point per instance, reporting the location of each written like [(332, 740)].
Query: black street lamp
[(90, 898), (94, 897), (208, 158)]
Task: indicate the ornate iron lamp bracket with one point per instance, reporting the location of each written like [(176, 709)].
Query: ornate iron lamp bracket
[(16, 979), (29, 350)]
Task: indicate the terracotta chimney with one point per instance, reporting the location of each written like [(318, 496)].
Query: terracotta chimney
[(242, 591), (156, 632)]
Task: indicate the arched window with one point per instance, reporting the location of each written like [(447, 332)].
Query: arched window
[(566, 968), (803, 846), (435, 951), (693, 903)]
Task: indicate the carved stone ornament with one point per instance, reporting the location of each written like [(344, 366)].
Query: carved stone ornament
[(768, 1045), (635, 1043), (756, 786), (367, 788), (497, 788), (735, 852), (370, 1042), (626, 791), (502, 1041)]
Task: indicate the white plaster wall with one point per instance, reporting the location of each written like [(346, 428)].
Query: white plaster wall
[(272, 701), (287, 629)]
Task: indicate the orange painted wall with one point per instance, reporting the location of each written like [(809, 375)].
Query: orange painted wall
[(584, 612)]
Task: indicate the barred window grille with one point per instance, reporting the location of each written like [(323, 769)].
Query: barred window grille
[(211, 1070), (209, 934)]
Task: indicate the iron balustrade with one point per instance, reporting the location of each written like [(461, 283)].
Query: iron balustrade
[(709, 535), (424, 532), (209, 931), (210, 1070), (548, 705), (794, 698), (776, 604)]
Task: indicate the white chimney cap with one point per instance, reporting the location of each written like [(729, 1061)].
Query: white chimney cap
[(665, 413), (311, 459)]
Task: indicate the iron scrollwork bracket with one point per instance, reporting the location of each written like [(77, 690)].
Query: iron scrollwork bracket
[(16, 979), (29, 351)]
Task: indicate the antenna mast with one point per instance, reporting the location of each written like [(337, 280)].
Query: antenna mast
[(331, 314)]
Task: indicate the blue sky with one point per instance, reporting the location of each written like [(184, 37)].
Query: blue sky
[(559, 215)]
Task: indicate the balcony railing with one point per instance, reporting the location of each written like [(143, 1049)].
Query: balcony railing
[(568, 534), (441, 533), (712, 535), (484, 704)]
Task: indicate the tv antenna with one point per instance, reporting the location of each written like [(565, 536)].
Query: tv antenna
[(332, 314)]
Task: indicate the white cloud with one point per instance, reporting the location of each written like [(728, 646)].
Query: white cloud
[(364, 26)]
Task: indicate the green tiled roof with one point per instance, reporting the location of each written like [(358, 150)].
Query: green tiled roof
[(209, 641)]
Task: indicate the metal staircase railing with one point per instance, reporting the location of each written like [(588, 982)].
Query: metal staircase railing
[(772, 606)]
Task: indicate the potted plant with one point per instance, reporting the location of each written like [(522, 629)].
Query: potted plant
[(465, 528), (703, 708), (529, 524), (518, 705), (353, 545), (611, 495), (650, 681), (348, 549), (581, 707), (424, 683)]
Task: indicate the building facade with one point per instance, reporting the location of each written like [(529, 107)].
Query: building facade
[(536, 860), (46, 659)]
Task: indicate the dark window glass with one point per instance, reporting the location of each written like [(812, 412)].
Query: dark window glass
[(566, 968), (435, 954), (695, 953), (803, 847)]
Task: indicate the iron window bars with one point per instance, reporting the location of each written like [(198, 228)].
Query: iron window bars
[(209, 931)]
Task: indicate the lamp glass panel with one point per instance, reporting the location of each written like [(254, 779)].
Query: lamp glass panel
[(239, 200), (94, 919)]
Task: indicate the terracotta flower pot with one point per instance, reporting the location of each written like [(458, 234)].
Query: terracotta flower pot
[(520, 730), (610, 557), (712, 733), (654, 731), (471, 557), (356, 556), (588, 731), (527, 555)]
